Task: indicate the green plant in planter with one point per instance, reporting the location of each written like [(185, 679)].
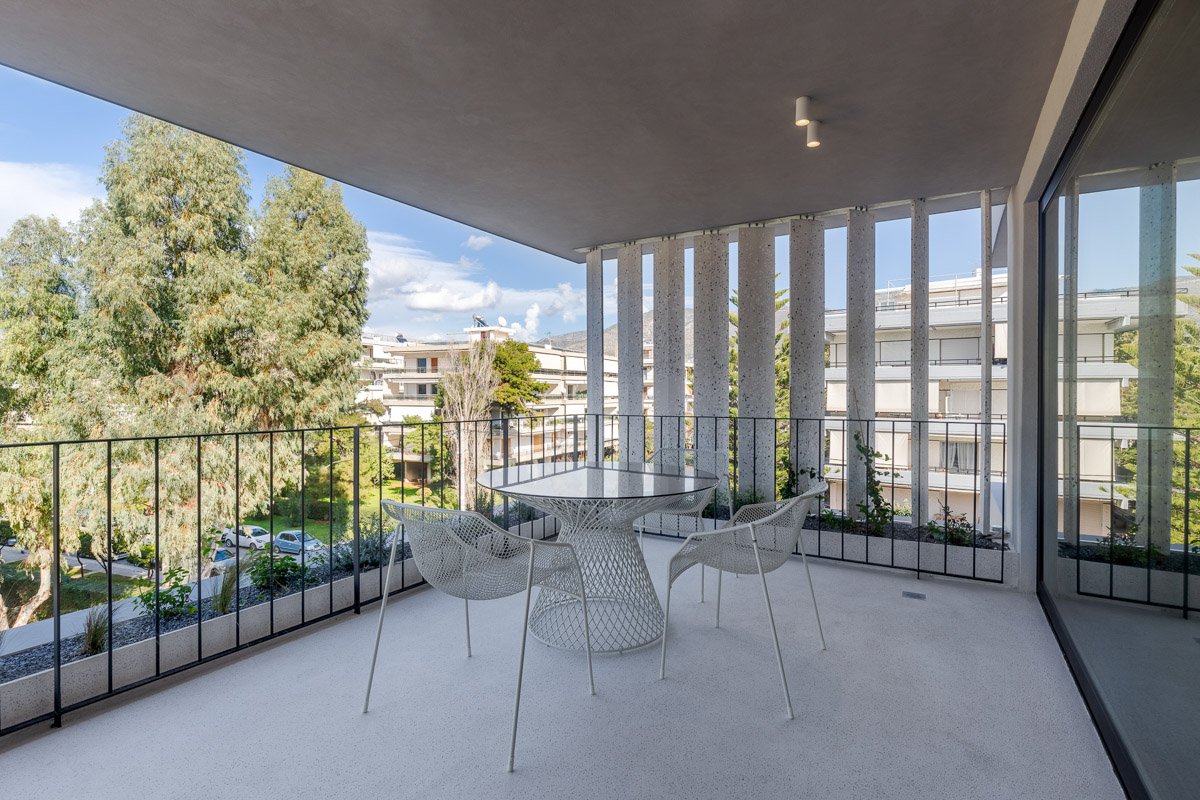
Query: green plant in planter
[(223, 598), (952, 528), (95, 630), (174, 595), (877, 512), (1124, 550), (277, 574), (835, 521)]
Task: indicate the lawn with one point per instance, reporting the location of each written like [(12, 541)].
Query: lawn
[(78, 591), (392, 490)]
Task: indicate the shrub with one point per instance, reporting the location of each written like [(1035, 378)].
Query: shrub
[(276, 574), (953, 528), (174, 595), (95, 630), (141, 554)]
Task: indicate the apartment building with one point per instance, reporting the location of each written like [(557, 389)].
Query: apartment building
[(403, 377), (955, 430)]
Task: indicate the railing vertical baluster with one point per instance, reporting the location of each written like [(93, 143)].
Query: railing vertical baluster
[(271, 524), (332, 520), (404, 494), (379, 510), (157, 568), (108, 550), (237, 533), (355, 488), (199, 552), (303, 535), (975, 510), (894, 470), (56, 583), (1187, 516)]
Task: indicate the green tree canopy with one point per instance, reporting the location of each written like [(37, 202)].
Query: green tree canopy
[(173, 308), (518, 389)]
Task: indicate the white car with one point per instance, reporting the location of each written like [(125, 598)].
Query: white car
[(249, 536)]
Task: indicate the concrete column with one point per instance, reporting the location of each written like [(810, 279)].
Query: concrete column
[(668, 344), (806, 346), (629, 354), (987, 354), (919, 334), (756, 363), (710, 372), (1156, 354), (595, 356), (860, 351), (1070, 362)]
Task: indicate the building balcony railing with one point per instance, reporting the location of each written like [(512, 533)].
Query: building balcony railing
[(165, 552)]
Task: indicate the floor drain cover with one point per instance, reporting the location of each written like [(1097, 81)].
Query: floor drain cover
[(914, 595)]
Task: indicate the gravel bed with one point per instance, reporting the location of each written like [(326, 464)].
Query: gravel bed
[(129, 631)]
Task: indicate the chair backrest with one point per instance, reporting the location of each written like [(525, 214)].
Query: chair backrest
[(704, 460), (460, 552), (777, 526)]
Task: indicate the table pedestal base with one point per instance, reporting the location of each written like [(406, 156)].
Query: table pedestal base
[(623, 608)]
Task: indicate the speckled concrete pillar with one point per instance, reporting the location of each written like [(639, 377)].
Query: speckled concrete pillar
[(630, 423), (860, 351), (668, 344), (595, 356), (988, 351), (756, 363), (806, 345), (710, 350), (1156, 354), (1070, 363), (919, 375)]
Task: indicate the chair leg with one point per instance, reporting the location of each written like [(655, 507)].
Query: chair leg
[(587, 637), (467, 614), (701, 583), (512, 750), (812, 590), (387, 582), (720, 573), (662, 665), (774, 633)]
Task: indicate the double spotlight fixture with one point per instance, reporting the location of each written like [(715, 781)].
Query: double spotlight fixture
[(804, 120)]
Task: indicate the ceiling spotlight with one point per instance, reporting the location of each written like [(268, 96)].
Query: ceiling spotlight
[(814, 133), (802, 116)]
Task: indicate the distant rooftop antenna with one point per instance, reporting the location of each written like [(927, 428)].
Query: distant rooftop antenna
[(480, 322)]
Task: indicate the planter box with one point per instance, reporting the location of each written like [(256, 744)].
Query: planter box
[(1129, 583), (86, 678)]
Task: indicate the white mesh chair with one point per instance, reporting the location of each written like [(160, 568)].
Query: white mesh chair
[(692, 505), (759, 539), (464, 555)]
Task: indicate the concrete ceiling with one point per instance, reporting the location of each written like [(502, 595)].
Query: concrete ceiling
[(1151, 114), (564, 125)]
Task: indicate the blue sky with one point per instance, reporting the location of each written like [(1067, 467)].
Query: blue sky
[(429, 274)]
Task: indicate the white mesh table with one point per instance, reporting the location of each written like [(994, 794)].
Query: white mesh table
[(595, 506)]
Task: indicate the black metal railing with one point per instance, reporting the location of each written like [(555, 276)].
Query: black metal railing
[(132, 540), (1130, 514)]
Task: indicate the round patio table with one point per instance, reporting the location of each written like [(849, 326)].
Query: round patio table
[(595, 506)]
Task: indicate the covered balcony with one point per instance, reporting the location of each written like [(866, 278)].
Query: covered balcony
[(675, 154)]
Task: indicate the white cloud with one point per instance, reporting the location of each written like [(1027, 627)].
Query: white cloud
[(404, 278), (44, 189), (477, 241)]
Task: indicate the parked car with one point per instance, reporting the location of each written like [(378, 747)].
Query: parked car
[(223, 560), (251, 536), (293, 541)]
